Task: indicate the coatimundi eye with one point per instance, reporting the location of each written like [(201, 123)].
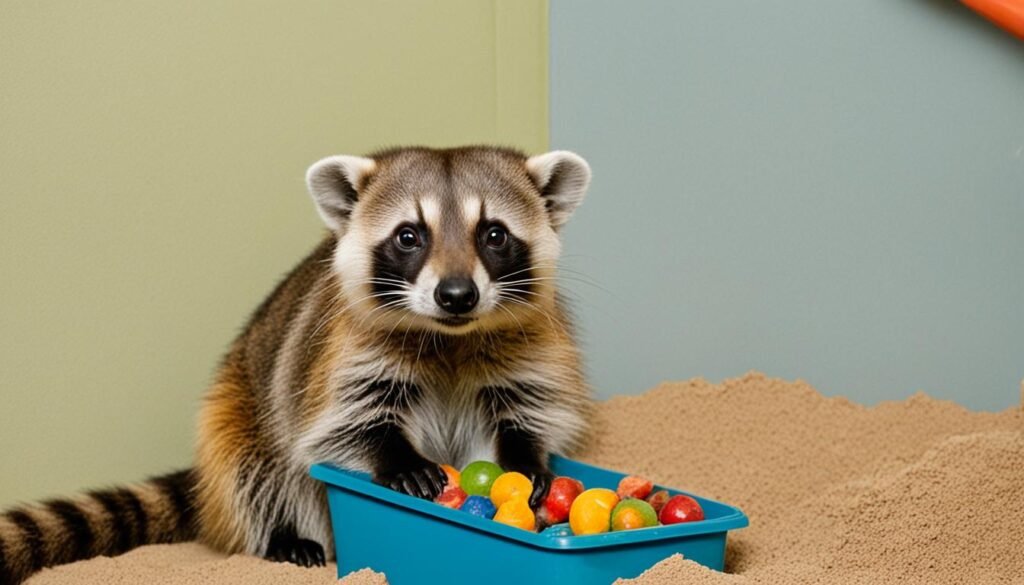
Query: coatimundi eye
[(497, 237), (408, 239)]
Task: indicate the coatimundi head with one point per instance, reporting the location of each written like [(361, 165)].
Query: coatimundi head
[(450, 240)]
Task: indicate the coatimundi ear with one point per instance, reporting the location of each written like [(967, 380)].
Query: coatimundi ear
[(562, 178), (335, 183)]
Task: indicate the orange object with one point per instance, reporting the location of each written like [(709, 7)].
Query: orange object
[(509, 486), (591, 511), (627, 520), (1007, 14), (453, 475), (516, 512), (632, 513), (634, 486)]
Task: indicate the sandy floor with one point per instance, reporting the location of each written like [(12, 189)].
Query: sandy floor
[(918, 491)]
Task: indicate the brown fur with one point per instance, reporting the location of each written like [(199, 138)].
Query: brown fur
[(227, 431)]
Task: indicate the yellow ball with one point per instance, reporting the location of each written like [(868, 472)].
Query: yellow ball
[(591, 512), (508, 486), (516, 512)]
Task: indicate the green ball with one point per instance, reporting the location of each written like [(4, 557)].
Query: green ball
[(633, 513), (477, 477)]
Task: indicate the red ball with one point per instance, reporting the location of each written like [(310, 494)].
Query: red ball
[(634, 486), (560, 498), (452, 497), (680, 508)]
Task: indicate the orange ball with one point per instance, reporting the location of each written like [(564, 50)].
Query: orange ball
[(632, 513), (453, 475), (591, 511), (516, 512), (509, 486)]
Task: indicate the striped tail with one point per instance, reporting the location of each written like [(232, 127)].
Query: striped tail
[(102, 522)]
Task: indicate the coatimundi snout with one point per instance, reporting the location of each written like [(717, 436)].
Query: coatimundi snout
[(426, 328)]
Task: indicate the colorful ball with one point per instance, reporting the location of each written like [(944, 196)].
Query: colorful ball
[(453, 475), (633, 513), (634, 486), (680, 508), (510, 485), (477, 478), (591, 512), (452, 497), (479, 506), (562, 494), (516, 512)]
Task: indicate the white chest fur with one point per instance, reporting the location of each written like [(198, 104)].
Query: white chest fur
[(450, 428)]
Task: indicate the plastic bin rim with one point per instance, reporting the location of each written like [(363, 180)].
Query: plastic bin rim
[(358, 483)]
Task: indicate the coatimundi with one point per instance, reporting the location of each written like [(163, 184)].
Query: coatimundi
[(426, 328)]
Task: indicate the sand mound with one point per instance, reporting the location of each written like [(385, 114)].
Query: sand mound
[(182, 563), (920, 490), (959, 510), (916, 491)]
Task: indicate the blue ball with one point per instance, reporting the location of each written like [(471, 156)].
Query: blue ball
[(479, 506)]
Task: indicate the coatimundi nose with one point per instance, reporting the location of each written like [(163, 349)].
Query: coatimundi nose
[(456, 295)]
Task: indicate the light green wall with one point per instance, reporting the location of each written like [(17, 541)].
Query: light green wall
[(151, 189)]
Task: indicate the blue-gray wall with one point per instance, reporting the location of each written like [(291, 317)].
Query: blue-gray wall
[(830, 190)]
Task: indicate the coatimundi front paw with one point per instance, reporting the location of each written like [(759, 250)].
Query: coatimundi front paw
[(421, 480), (286, 547), (541, 479)]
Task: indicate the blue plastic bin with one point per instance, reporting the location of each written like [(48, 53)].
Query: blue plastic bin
[(416, 542)]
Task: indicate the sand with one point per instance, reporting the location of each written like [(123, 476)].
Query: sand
[(908, 492)]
